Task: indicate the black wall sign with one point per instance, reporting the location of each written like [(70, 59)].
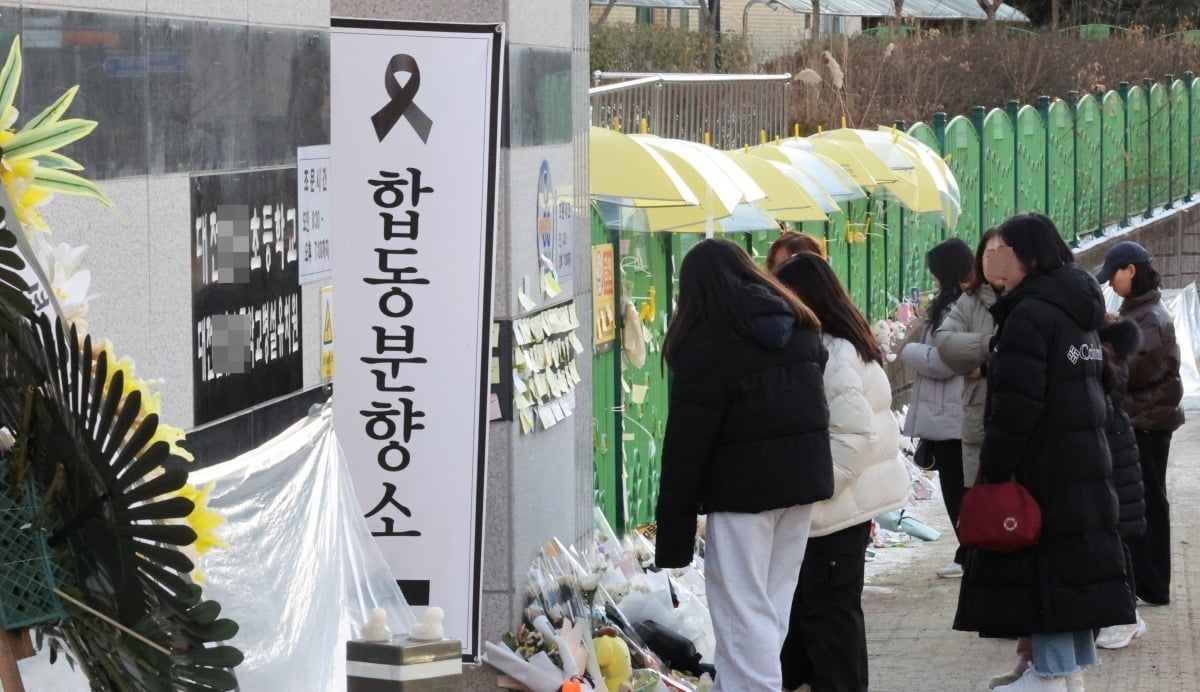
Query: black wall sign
[(246, 326)]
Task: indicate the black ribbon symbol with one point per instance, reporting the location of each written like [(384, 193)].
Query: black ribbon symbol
[(402, 104)]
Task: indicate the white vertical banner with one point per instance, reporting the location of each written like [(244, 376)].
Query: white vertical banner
[(414, 139)]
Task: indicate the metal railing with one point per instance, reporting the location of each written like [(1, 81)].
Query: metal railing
[(731, 109)]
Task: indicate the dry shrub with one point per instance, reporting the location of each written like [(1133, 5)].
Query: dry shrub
[(626, 47), (917, 76)]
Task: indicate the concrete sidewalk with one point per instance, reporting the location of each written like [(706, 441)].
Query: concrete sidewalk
[(909, 610)]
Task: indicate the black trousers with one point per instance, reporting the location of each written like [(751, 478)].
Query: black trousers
[(826, 644), (947, 459), (1151, 552)]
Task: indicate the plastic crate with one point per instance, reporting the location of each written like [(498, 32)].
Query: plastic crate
[(28, 576)]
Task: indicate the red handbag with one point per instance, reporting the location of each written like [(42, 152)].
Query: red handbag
[(999, 517)]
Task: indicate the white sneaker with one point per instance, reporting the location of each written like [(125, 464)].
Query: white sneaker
[(1116, 636), (950, 571), (1032, 682), (1075, 682), (1141, 625)]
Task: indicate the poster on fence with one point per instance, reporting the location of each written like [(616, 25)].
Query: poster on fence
[(415, 130), (245, 291)]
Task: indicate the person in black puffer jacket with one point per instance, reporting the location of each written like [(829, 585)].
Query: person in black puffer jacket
[(747, 443), (1120, 339), (1044, 425)]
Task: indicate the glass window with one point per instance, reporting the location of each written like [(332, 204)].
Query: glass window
[(539, 96)]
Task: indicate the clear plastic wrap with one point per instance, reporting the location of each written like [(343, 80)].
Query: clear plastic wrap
[(301, 570)]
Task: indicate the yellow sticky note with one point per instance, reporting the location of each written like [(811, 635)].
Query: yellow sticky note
[(526, 303), (545, 416), (526, 417), (576, 343), (495, 334), (550, 286), (638, 395)]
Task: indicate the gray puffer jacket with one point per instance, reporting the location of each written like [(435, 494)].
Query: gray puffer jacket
[(935, 402), (963, 342)]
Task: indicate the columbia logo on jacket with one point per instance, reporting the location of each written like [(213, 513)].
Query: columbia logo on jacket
[(1084, 352)]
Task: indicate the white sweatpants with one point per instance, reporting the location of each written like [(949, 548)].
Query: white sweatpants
[(751, 565)]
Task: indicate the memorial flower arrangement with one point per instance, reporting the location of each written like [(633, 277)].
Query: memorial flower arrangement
[(94, 486), (604, 617)]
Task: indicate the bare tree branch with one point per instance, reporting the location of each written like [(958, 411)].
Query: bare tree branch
[(604, 15)]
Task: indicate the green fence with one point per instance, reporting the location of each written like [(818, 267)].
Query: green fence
[(1088, 162)]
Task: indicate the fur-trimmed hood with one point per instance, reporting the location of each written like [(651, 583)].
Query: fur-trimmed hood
[(1123, 336)]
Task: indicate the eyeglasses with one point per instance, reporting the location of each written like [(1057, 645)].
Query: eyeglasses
[(990, 252)]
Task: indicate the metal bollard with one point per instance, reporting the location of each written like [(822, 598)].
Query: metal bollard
[(404, 665)]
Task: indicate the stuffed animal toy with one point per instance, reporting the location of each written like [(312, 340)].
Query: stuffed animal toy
[(612, 653)]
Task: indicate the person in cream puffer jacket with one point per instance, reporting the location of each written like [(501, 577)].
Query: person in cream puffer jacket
[(869, 476), (826, 644)]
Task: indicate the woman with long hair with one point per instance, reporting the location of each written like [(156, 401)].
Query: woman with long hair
[(1045, 428), (747, 443), (1152, 398), (963, 341), (935, 402), (826, 645), (791, 243)]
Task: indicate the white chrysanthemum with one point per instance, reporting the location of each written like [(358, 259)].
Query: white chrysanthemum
[(70, 283)]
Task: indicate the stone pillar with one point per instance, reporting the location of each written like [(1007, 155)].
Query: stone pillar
[(539, 485)]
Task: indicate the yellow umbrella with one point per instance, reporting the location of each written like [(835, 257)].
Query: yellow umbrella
[(711, 163), (706, 180), (935, 163), (921, 185), (745, 217), (717, 193), (827, 173), (865, 168), (787, 199), (627, 173)]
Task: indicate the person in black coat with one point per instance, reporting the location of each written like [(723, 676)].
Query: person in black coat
[(747, 443), (1045, 424), (1120, 339)]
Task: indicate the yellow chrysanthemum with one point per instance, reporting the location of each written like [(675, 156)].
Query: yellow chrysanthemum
[(203, 520)]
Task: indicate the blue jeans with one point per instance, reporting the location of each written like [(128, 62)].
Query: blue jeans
[(1063, 653)]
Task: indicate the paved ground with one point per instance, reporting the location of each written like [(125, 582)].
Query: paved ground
[(909, 610)]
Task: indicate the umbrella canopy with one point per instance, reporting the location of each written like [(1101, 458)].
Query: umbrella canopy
[(863, 167), (704, 157), (831, 177), (787, 199), (745, 217), (923, 185), (715, 190), (935, 163), (624, 172)]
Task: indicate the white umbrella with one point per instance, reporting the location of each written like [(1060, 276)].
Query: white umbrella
[(828, 173)]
